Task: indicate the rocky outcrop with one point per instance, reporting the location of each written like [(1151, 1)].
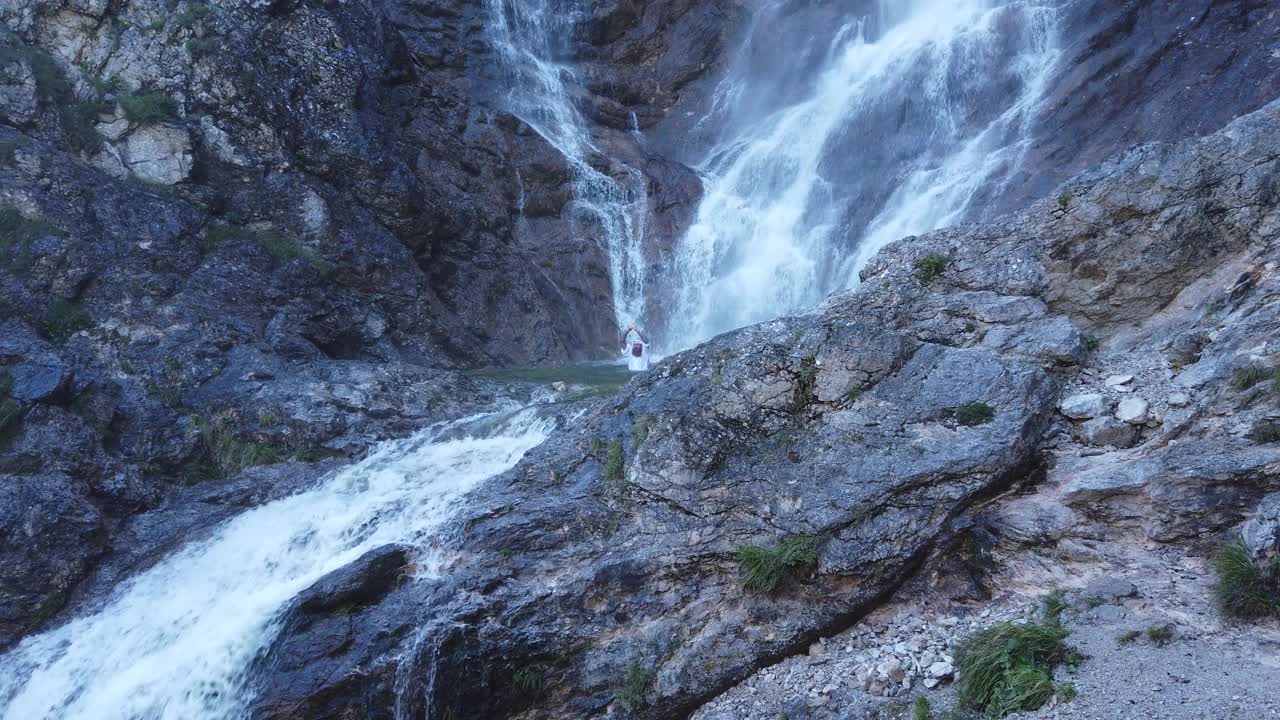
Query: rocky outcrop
[(606, 564)]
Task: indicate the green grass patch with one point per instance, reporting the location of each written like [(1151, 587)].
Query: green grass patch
[(973, 414), (1160, 635), (1067, 692), (614, 463), (147, 108), (762, 570), (1129, 637), (931, 266), (192, 14), (10, 416), (1064, 201), (1242, 588), (1092, 343), (634, 693), (227, 452), (920, 709), (1094, 601), (62, 320), (1008, 668)]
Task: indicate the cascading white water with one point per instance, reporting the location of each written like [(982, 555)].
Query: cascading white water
[(174, 643), (532, 38), (779, 226)]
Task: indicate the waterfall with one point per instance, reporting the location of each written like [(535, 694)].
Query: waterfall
[(175, 642), (533, 40), (911, 113)]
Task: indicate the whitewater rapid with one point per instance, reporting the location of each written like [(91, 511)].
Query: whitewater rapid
[(177, 641), (777, 229)]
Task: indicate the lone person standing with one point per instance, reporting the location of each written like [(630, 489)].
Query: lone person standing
[(636, 348)]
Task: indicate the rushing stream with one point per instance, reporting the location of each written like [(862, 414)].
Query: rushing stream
[(175, 642)]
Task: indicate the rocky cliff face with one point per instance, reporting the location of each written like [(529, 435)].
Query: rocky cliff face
[(872, 433)]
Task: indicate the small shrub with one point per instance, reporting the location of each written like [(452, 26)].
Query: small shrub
[(1264, 431), (762, 570), (146, 108), (1064, 201), (854, 394), (1129, 637), (614, 463), (634, 693), (1243, 589), (167, 394), (597, 446), (920, 709), (1160, 635), (1092, 343), (973, 414), (1007, 668), (931, 266), (64, 319), (266, 417)]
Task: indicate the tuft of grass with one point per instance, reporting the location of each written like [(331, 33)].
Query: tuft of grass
[(806, 383), (1160, 635), (1067, 692), (1264, 431), (1064, 201), (1243, 589), (1094, 601), (1246, 377), (62, 320), (147, 108), (10, 416), (1054, 605), (1129, 637), (762, 570), (614, 463), (931, 266), (530, 680), (1007, 668), (227, 452), (634, 693), (975, 413), (920, 709), (641, 429), (1092, 343)]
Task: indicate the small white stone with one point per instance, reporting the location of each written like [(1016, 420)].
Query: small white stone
[(1178, 400), (1116, 381), (941, 670), (1133, 410)]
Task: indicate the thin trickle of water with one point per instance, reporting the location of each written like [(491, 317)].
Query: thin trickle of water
[(175, 642), (779, 227), (532, 39)]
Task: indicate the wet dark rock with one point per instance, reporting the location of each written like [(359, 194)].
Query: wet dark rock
[(50, 535)]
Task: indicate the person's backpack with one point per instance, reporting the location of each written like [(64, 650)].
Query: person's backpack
[(637, 349)]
